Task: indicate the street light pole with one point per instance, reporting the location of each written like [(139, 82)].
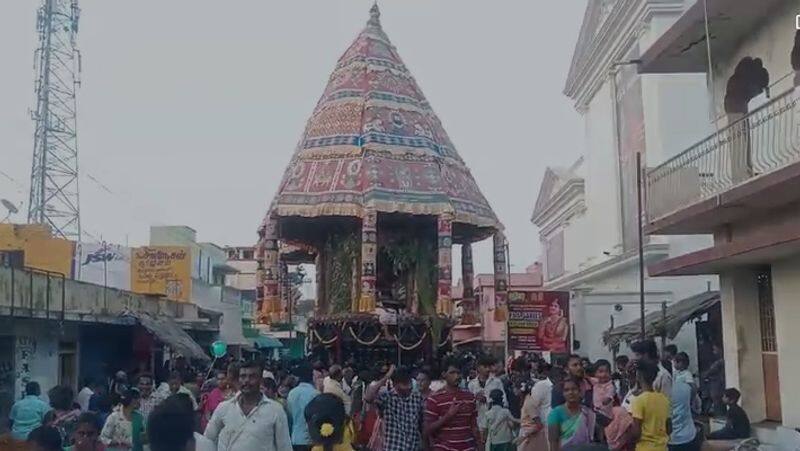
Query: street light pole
[(639, 214)]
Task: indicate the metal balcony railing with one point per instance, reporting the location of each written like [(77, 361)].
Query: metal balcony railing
[(764, 140)]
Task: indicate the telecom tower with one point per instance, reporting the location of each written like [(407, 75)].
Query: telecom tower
[(54, 173)]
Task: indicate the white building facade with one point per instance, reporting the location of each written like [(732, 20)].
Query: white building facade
[(586, 213)]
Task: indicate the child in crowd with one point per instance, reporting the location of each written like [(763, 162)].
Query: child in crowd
[(650, 411), (737, 425), (499, 423), (328, 425), (680, 372), (604, 394)]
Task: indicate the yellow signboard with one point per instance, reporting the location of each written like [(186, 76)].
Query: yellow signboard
[(164, 270)]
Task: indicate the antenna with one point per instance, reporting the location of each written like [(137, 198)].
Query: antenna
[(10, 207), (54, 171)]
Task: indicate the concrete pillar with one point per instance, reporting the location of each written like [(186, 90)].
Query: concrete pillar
[(369, 255), (741, 337), (786, 297), (445, 264)]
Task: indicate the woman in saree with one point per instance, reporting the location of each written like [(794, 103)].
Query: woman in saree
[(571, 424), (619, 434)]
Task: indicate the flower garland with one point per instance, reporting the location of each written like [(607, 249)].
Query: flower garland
[(412, 347), (364, 343), (332, 340)]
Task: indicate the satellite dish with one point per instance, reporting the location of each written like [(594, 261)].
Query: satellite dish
[(12, 209)]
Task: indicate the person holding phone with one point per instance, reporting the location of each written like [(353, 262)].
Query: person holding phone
[(451, 416)]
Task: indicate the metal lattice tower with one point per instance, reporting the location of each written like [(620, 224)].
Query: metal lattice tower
[(54, 173)]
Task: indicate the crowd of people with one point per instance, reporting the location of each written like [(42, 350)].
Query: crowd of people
[(462, 403)]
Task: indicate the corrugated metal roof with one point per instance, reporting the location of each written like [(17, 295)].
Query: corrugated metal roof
[(677, 314), (169, 332)]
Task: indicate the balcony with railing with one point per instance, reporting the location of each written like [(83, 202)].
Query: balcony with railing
[(750, 165)]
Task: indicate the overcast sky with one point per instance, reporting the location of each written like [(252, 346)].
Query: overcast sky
[(190, 109)]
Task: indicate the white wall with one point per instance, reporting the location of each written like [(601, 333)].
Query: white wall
[(246, 278), (676, 114), (786, 296), (36, 353), (741, 340), (592, 308), (602, 180), (599, 308), (773, 43)]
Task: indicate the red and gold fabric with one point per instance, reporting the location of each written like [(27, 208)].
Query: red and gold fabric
[(445, 282), (369, 253)]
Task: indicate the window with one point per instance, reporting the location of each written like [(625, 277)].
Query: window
[(247, 254), (766, 311)]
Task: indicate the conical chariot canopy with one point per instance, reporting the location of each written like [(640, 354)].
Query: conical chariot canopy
[(374, 143)]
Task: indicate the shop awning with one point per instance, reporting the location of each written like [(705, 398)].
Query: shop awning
[(170, 333), (263, 341), (658, 323)]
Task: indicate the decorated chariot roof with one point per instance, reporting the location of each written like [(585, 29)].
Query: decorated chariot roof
[(373, 142)]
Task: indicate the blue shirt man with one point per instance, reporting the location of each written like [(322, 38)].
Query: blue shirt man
[(296, 402), (683, 429), (28, 413)]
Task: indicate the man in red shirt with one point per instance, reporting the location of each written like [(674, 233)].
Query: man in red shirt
[(451, 416)]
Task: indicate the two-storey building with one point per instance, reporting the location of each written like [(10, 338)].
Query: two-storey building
[(741, 184)]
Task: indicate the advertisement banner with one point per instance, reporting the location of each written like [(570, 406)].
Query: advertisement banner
[(538, 321), (164, 270), (104, 264)]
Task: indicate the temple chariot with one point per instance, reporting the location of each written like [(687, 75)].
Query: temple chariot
[(376, 196)]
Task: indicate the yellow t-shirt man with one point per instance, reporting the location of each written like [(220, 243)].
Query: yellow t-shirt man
[(652, 410)]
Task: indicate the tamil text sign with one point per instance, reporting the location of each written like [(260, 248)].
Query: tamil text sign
[(538, 321), (164, 270)]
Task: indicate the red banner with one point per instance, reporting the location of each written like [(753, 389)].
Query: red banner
[(538, 321)]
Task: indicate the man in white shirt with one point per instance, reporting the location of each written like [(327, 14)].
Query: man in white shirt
[(250, 421), (482, 386), (333, 385), (85, 394), (541, 395)]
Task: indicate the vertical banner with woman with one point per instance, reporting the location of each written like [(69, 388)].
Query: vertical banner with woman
[(538, 321)]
